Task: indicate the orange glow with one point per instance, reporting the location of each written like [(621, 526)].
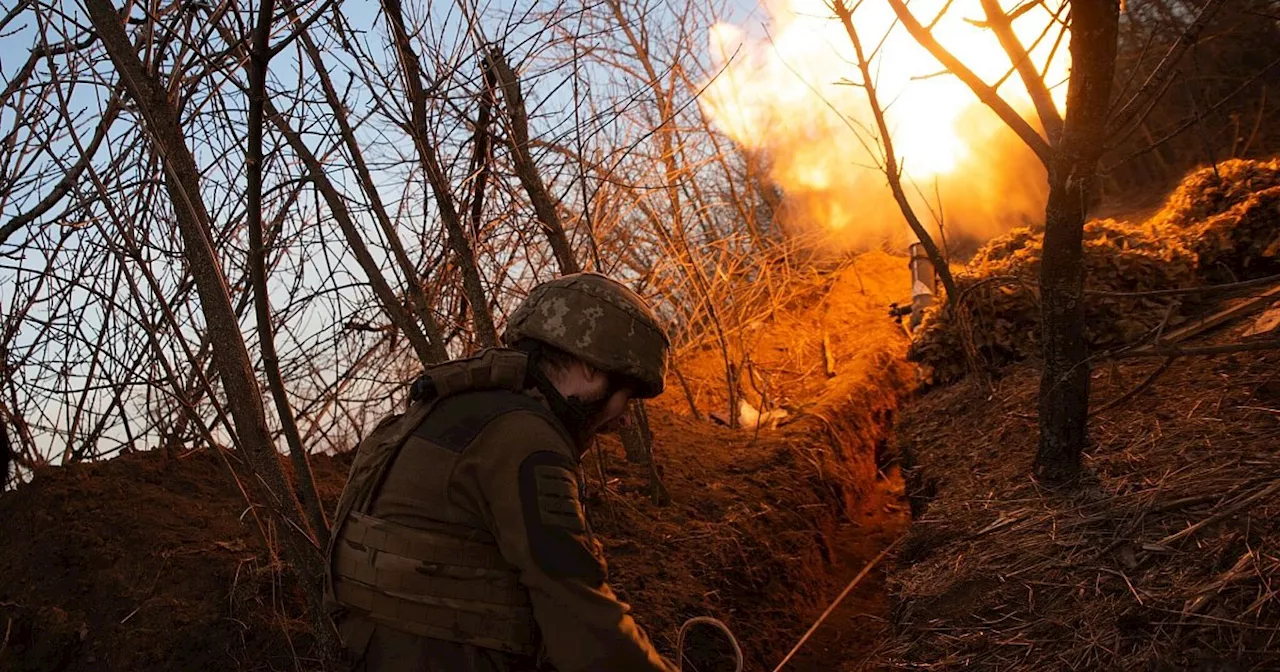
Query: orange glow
[(788, 96)]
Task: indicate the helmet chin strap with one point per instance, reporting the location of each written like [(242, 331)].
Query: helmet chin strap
[(576, 415)]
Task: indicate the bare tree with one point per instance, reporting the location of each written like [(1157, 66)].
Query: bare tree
[(1064, 384), (891, 169), (411, 70), (1071, 160), (518, 127), (1215, 105), (6, 455), (436, 350), (259, 58), (229, 351), (328, 230)]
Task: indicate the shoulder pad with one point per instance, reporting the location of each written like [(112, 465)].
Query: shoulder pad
[(492, 369)]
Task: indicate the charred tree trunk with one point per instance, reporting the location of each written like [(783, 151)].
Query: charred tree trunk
[(182, 181), (1064, 384), (6, 455)]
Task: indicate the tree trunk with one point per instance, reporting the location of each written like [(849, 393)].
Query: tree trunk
[(637, 436), (1064, 384), (411, 68), (6, 455), (244, 397), (526, 169), (400, 316), (259, 57), (413, 282)]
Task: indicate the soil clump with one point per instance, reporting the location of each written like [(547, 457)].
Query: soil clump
[(1221, 225)]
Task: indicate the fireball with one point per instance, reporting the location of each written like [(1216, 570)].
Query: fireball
[(792, 93)]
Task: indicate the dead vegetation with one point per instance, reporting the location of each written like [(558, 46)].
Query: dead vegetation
[(1164, 559), (408, 173), (148, 560), (1221, 225)]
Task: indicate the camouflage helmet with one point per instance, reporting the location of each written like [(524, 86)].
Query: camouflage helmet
[(599, 321)]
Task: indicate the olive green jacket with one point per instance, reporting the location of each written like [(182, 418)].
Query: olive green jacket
[(497, 466)]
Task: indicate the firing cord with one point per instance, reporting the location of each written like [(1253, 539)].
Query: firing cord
[(865, 570), (737, 651)]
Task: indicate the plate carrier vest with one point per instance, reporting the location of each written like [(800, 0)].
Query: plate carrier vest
[(450, 582)]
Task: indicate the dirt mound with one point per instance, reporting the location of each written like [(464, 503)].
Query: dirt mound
[(756, 535), (1165, 561), (148, 562), (139, 563), (1213, 190), (1222, 224)]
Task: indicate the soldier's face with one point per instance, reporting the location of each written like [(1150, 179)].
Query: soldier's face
[(603, 397), (613, 417)]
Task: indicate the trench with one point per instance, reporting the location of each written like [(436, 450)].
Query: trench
[(766, 528)]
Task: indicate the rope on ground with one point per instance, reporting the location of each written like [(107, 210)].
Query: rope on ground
[(862, 574), (716, 623)]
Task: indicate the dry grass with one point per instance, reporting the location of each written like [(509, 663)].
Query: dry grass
[(1221, 225), (1166, 559)]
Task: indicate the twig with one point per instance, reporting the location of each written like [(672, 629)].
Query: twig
[(1227, 512), (862, 574), (891, 167), (1252, 346), (1146, 383), (989, 96), (1207, 289)]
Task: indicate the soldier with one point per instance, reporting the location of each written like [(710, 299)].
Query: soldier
[(460, 542)]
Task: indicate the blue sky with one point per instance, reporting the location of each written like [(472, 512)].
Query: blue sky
[(545, 89)]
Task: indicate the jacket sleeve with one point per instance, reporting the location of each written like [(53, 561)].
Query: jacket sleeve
[(526, 475)]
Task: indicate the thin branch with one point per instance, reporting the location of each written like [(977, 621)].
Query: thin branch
[(421, 303), (526, 169), (984, 92), (1002, 25), (70, 178), (891, 168), (1151, 90), (1206, 350), (1183, 291)]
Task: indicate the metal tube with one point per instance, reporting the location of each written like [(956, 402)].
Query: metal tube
[(924, 283)]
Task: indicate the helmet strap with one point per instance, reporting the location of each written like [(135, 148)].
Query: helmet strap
[(574, 413)]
